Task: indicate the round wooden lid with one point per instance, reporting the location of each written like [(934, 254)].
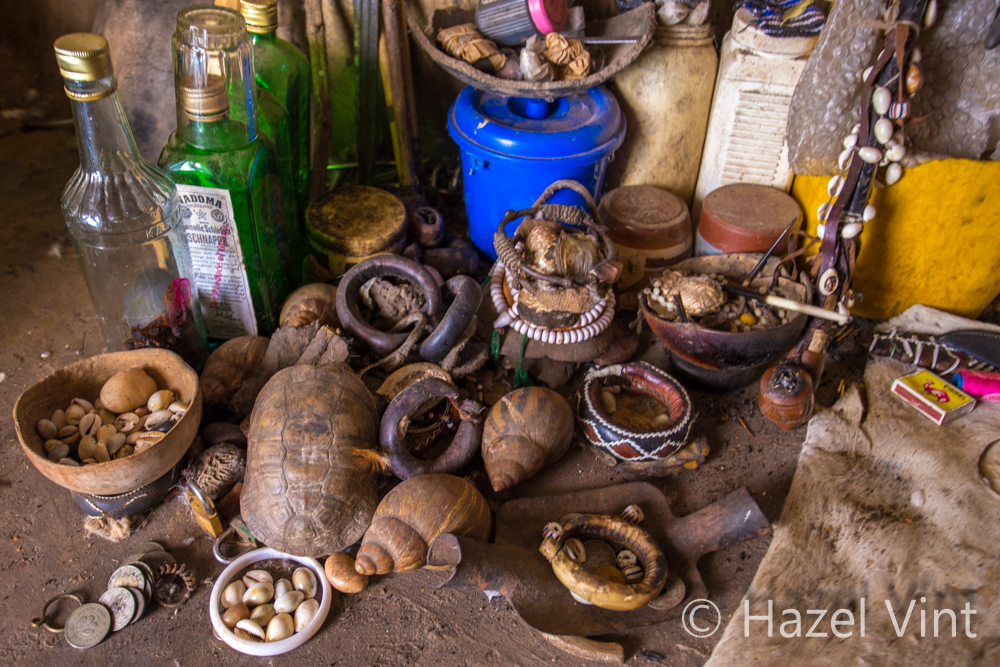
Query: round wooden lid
[(643, 216), (356, 220), (745, 217)]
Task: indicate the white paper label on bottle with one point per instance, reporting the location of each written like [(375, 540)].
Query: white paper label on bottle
[(219, 268)]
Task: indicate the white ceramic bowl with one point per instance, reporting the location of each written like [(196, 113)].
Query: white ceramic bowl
[(264, 649)]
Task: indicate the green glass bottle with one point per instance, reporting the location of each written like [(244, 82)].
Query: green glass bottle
[(274, 123), (227, 177), (283, 70)]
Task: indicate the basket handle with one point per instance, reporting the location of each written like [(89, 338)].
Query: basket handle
[(575, 187)]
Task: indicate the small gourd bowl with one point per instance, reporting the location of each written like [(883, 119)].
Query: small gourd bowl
[(84, 379), (265, 649)]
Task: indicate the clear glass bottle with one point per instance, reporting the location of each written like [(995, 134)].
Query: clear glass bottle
[(124, 217), (227, 177), (283, 70)]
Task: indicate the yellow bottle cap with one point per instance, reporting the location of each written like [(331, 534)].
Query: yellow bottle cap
[(206, 101), (83, 56), (261, 15)]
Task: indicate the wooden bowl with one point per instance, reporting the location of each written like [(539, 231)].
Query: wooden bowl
[(84, 379), (639, 23)]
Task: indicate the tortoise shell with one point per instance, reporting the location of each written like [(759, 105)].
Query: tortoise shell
[(304, 492)]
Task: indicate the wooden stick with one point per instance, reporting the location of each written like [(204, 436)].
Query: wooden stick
[(320, 102), (400, 107), (789, 304)]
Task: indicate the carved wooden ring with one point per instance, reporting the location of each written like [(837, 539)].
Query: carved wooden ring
[(595, 589), (380, 266), (626, 444), (462, 448), (467, 295)]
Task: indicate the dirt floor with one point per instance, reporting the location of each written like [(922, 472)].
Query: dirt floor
[(400, 619)]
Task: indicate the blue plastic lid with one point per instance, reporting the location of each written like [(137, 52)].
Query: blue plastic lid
[(531, 128)]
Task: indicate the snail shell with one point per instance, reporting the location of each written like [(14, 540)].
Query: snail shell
[(413, 514), (228, 368), (526, 430), (309, 303)]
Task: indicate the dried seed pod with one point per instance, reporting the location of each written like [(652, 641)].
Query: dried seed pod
[(342, 576), (127, 390), (526, 430), (415, 512)]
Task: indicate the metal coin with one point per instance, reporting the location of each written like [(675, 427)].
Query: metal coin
[(140, 603), (127, 576), (150, 546), (121, 603), (154, 559), (146, 570), (88, 625)]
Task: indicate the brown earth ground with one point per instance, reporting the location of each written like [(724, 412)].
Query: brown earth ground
[(401, 619)]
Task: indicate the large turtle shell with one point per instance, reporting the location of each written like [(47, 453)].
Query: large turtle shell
[(304, 492)]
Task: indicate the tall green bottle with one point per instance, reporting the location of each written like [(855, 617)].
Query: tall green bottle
[(284, 71), (227, 177), (274, 123)]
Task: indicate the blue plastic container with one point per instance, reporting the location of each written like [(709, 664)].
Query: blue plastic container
[(515, 147)]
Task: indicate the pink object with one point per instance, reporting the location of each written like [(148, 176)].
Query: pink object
[(548, 15), (178, 297), (982, 385)]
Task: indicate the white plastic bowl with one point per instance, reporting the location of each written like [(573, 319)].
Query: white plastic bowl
[(264, 649)]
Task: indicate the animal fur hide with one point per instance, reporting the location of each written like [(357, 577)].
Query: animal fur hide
[(884, 506)]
